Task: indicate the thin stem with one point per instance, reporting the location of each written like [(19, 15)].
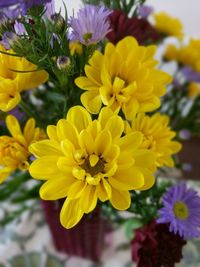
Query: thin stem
[(30, 112)]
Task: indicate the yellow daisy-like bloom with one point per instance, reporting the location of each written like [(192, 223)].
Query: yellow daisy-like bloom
[(193, 90), (171, 52), (168, 25), (190, 54), (123, 78), (14, 151), (75, 47), (157, 137), (87, 160), (12, 82)]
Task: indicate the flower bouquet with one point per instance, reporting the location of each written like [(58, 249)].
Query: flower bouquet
[(84, 128)]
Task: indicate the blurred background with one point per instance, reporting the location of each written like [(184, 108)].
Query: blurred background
[(186, 10)]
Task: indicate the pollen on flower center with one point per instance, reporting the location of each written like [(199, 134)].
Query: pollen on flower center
[(93, 165), (181, 210), (87, 36)]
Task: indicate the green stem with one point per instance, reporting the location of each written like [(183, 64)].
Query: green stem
[(26, 108)]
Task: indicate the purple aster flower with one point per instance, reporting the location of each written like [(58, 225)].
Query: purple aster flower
[(182, 211), (19, 28), (144, 11), (91, 24), (190, 74), (7, 3), (8, 39)]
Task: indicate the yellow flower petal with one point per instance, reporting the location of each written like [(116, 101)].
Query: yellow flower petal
[(13, 125), (88, 200), (91, 101), (71, 213), (44, 167), (79, 117), (120, 199), (53, 189)]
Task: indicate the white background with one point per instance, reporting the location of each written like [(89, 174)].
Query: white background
[(188, 11)]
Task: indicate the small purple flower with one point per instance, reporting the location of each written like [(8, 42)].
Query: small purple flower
[(182, 211), (8, 39), (145, 11), (50, 9), (190, 75), (19, 28), (91, 24)]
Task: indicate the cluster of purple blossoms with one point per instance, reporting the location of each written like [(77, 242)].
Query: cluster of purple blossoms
[(181, 211), (14, 7), (91, 24)]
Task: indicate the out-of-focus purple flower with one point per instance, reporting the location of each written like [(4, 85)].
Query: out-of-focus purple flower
[(50, 9), (28, 4), (91, 24), (8, 39), (144, 11), (182, 211), (15, 112), (7, 3), (190, 74), (19, 28), (9, 13), (184, 134)]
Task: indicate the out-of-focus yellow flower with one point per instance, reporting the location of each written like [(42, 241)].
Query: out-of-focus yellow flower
[(124, 78), (171, 52), (75, 47), (157, 137), (190, 54), (14, 151), (168, 25), (193, 90), (13, 82), (88, 160)]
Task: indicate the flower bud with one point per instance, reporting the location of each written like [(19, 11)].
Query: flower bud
[(63, 62), (57, 23)]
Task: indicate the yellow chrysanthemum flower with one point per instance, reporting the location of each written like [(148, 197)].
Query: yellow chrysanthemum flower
[(14, 151), (123, 78), (88, 160), (75, 47), (168, 25), (157, 137), (12, 82), (171, 52), (193, 90), (190, 54)]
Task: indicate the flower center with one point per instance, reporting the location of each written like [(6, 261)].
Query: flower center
[(87, 36), (93, 165), (181, 210)]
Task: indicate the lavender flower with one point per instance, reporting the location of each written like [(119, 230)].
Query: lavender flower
[(8, 39), (7, 3), (144, 11), (182, 211), (91, 24), (190, 74), (19, 28), (22, 4)]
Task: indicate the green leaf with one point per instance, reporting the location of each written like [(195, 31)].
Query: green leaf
[(32, 259), (52, 261)]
